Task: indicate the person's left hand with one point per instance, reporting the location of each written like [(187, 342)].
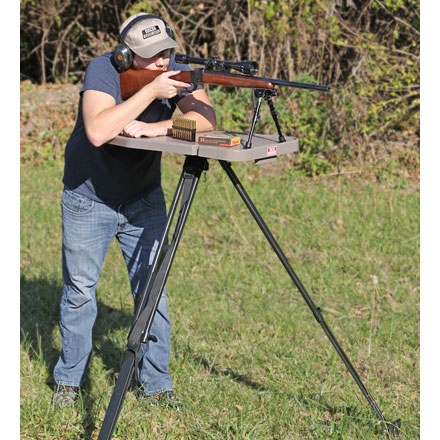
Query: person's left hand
[(136, 129)]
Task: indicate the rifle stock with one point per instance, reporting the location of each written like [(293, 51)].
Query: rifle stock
[(133, 80)]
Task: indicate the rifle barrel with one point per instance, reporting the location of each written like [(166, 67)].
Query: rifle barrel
[(282, 82), (270, 82)]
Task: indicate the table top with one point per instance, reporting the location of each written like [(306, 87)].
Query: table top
[(264, 148)]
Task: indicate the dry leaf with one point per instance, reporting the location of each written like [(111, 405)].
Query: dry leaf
[(374, 279)]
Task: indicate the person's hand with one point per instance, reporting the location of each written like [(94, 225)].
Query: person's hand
[(165, 87), (137, 129)]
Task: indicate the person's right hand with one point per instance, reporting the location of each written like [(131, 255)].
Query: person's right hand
[(165, 87)]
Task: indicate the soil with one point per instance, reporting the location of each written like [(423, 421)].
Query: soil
[(49, 94)]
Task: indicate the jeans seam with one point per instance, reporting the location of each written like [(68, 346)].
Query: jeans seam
[(158, 391), (67, 384)]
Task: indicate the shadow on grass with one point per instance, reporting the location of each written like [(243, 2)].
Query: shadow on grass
[(39, 314), (39, 320), (307, 404), (239, 378)]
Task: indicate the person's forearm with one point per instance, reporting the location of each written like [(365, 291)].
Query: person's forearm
[(198, 107), (205, 122), (138, 129), (109, 122)]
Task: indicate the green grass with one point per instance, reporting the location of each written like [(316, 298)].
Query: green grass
[(248, 359)]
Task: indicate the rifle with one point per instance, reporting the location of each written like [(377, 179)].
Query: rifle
[(218, 72), (215, 72)]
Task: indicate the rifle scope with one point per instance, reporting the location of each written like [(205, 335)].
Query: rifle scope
[(245, 66)]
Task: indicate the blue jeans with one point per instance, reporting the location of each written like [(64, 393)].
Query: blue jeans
[(88, 229)]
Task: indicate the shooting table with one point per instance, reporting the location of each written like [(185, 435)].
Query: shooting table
[(265, 148)]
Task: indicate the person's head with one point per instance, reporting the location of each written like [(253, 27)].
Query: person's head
[(146, 42)]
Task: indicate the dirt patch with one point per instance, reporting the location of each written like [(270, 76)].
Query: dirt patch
[(49, 94)]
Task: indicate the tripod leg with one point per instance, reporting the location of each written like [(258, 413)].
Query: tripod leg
[(390, 427), (149, 302), (158, 258), (141, 328), (115, 405)]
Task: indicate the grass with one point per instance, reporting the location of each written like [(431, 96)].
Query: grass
[(248, 359)]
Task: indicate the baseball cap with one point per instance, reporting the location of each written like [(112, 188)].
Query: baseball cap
[(146, 37)]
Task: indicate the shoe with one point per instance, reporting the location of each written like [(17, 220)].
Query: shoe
[(65, 395), (167, 399)]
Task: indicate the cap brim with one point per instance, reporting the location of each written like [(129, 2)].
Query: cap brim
[(153, 49)]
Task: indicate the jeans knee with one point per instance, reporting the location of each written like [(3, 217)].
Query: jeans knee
[(80, 299)]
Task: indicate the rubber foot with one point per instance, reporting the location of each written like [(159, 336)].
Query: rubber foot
[(394, 427)]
